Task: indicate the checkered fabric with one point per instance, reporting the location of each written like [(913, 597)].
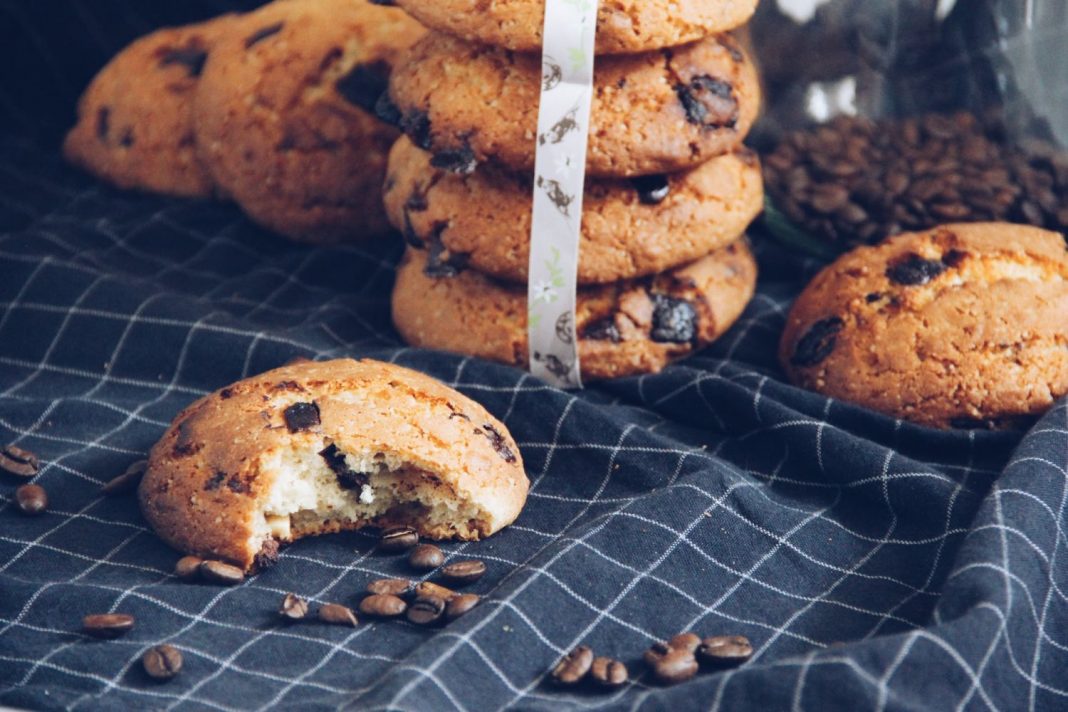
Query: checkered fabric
[(875, 565)]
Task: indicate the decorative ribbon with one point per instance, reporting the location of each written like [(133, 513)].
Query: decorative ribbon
[(559, 179)]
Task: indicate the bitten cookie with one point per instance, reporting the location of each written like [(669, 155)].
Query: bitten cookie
[(322, 447), (624, 328), (656, 112), (961, 326), (135, 121), (285, 115), (630, 228), (623, 26)]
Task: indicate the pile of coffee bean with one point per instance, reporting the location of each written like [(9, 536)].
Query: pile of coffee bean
[(194, 568), (671, 661), (581, 664), (425, 603), (855, 181)]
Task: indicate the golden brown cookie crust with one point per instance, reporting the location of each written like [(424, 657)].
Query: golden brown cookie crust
[(656, 112), (960, 326), (135, 120), (623, 26), (619, 327), (486, 216), (285, 114), (209, 475)]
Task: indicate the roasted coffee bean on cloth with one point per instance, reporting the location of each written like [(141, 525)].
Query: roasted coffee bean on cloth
[(871, 563)]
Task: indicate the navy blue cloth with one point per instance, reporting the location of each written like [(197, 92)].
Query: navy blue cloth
[(874, 564)]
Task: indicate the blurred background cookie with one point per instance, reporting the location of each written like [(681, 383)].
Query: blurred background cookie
[(285, 115), (135, 121), (962, 326)]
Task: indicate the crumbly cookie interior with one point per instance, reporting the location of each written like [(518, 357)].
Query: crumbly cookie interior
[(323, 489)]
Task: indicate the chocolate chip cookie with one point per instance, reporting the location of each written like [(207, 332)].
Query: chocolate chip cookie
[(624, 328), (623, 26), (284, 112), (319, 447), (963, 326), (630, 227), (656, 112), (135, 120)]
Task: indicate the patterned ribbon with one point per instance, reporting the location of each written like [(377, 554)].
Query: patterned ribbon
[(559, 177)]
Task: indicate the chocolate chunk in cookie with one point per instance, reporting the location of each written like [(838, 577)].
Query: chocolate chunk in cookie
[(818, 342)]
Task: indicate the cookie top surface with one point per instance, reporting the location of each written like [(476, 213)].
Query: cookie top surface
[(285, 114), (630, 228), (135, 120), (235, 458), (624, 328), (960, 326), (656, 112), (623, 26)]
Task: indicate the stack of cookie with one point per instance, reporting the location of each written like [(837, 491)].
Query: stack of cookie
[(664, 266), (273, 109)]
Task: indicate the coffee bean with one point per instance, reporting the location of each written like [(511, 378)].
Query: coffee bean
[(685, 641), (389, 587), (222, 573), (725, 650), (656, 653), (383, 606), (32, 499), (607, 672), (336, 614), (18, 462), (431, 589), (426, 557), (293, 607), (162, 662), (426, 610), (126, 482), (397, 539), (828, 198), (460, 604), (675, 667), (188, 568), (574, 666), (107, 625), (463, 572)]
